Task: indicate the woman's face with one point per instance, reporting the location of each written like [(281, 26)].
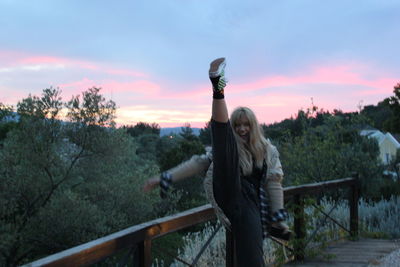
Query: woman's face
[(242, 128)]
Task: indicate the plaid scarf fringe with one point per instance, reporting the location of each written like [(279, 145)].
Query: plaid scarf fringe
[(266, 218)]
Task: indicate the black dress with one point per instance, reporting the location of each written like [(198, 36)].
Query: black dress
[(237, 196)]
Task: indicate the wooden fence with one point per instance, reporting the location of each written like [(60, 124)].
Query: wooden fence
[(140, 236)]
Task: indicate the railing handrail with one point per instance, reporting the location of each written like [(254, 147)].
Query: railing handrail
[(96, 250), (316, 188), (103, 247)]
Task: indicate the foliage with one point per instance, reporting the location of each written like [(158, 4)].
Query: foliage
[(148, 138), (165, 144), (187, 133), (187, 144), (5, 111), (386, 115), (89, 172), (7, 122), (48, 106), (205, 134), (392, 124), (167, 247), (381, 217), (143, 128), (92, 109), (147, 146), (320, 146), (214, 255), (377, 114), (63, 183)]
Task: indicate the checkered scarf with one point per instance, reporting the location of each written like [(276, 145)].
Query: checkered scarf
[(266, 218)]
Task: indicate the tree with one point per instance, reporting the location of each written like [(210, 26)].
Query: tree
[(377, 114), (186, 146), (64, 183), (393, 123), (331, 151), (205, 134), (5, 112), (92, 110), (147, 146), (7, 122), (31, 171), (187, 133), (48, 106), (183, 150), (147, 136), (142, 128)]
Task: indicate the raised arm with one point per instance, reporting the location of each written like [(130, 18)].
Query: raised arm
[(216, 73), (219, 110)]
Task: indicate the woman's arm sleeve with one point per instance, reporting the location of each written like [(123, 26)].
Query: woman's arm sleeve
[(198, 164), (275, 193), (274, 179)]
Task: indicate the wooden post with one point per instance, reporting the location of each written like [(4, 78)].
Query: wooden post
[(145, 253), (230, 257), (299, 228), (354, 197)]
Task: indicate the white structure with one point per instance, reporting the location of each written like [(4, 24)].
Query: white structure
[(388, 145)]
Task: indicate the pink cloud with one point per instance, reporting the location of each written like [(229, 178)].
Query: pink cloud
[(164, 115), (13, 59), (271, 100), (143, 87), (350, 74), (125, 72), (285, 95), (347, 75), (344, 75), (380, 90), (272, 97), (195, 91), (10, 96), (8, 57), (79, 85), (274, 105), (42, 60)]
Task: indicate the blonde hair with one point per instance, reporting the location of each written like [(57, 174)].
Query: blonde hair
[(255, 149)]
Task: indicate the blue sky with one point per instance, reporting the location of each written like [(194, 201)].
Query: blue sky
[(152, 57)]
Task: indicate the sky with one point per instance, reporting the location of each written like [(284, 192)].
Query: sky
[(152, 56)]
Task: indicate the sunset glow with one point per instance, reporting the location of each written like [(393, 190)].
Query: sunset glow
[(162, 78)]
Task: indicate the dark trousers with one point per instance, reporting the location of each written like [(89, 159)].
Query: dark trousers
[(236, 197)]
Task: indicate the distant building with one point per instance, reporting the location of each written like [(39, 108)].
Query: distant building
[(388, 145)]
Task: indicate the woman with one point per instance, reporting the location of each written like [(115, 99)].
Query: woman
[(245, 169)]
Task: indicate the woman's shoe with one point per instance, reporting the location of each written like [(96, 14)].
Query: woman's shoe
[(217, 67), (217, 76), (280, 233)]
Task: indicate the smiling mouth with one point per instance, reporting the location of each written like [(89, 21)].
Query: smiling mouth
[(244, 137)]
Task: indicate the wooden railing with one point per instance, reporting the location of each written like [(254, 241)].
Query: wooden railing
[(141, 236), (298, 193)]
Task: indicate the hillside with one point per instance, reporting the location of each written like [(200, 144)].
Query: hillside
[(177, 130)]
